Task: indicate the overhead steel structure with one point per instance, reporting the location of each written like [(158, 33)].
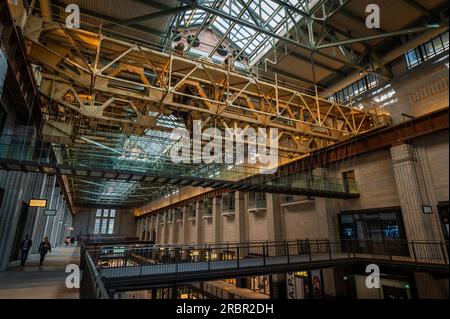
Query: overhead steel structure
[(110, 103)]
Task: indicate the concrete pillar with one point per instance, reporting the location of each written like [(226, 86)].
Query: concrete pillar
[(241, 217), (277, 285), (173, 228), (216, 219), (273, 215), (166, 228), (431, 196), (152, 227), (412, 197), (149, 228), (327, 210), (138, 229), (199, 223), (185, 226), (160, 228)]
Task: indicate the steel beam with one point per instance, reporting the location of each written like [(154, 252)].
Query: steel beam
[(419, 7), (292, 8), (153, 15), (110, 19), (247, 24), (438, 25)]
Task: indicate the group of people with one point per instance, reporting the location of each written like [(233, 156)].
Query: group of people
[(25, 247), (70, 241)]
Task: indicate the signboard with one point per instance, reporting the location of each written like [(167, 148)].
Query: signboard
[(427, 209), (50, 212), (317, 284), (38, 203), (294, 286)]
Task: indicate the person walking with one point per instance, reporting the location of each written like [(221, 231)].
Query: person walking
[(67, 241), (25, 247), (44, 248)]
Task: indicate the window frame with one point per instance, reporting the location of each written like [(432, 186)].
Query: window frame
[(427, 51), (105, 219)]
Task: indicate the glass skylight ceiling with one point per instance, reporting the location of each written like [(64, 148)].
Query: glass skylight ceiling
[(265, 13), (135, 153)]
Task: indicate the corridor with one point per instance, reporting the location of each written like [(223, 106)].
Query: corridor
[(45, 282)]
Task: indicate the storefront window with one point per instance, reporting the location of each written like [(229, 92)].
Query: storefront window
[(260, 284), (369, 231)]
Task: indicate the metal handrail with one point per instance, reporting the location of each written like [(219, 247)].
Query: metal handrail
[(263, 242), (418, 252), (91, 284)]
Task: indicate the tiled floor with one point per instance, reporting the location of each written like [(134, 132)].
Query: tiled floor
[(34, 282)]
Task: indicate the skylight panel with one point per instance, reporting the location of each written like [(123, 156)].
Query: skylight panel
[(264, 13)]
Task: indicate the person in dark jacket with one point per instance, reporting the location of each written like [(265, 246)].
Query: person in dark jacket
[(44, 248), (25, 247)]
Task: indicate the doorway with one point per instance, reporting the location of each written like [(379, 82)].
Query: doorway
[(19, 231)]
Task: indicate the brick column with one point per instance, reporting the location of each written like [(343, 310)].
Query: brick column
[(138, 228), (216, 219), (185, 226), (165, 229), (327, 210), (199, 222), (152, 227), (273, 215), (410, 189), (173, 228), (241, 217), (147, 228)]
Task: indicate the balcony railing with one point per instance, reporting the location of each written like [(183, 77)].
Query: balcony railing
[(163, 260)]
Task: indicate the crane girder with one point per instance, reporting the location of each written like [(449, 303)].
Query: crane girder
[(106, 79)]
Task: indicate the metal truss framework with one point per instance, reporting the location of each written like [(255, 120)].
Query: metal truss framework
[(93, 82), (110, 81), (310, 31), (303, 24)]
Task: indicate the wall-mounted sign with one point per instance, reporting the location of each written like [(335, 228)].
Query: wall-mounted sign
[(294, 287), (427, 209), (38, 203), (50, 212)]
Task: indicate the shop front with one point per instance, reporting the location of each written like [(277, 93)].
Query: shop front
[(305, 285)]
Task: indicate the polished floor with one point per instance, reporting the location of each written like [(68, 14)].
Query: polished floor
[(40, 282), (239, 292)]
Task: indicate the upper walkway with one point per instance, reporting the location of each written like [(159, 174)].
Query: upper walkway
[(122, 267), (40, 282)]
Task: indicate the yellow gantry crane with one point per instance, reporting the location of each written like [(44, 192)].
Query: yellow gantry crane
[(92, 77)]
